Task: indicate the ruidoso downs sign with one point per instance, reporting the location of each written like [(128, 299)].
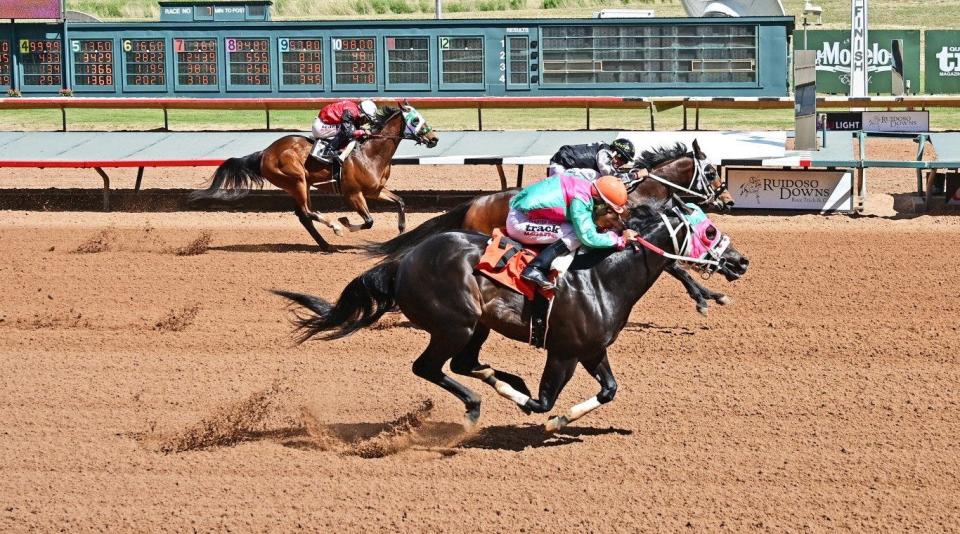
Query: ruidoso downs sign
[(833, 59), (942, 62), (786, 189)]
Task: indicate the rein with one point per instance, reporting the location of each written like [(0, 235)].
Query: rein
[(679, 249)]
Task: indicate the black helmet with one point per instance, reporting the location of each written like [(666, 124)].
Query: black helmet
[(625, 148)]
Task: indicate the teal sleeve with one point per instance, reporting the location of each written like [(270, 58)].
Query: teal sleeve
[(581, 217)]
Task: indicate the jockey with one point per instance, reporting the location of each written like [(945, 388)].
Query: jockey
[(594, 159), (564, 212), (337, 124)]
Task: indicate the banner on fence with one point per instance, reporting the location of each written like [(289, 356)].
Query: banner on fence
[(942, 58), (896, 121), (791, 189), (834, 59)]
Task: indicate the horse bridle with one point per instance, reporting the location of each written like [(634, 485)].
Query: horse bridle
[(698, 180), (707, 266), (416, 135)]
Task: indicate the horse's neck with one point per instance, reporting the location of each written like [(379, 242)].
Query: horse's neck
[(678, 172), (385, 143), (636, 271)]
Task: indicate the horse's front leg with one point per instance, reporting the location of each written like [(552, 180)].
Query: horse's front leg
[(608, 389), (359, 203), (696, 291)]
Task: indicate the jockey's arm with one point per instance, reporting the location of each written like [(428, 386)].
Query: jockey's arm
[(605, 164), (581, 218)]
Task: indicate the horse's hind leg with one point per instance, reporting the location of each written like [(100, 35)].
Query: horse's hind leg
[(467, 363), (390, 196), (359, 204), (556, 373), (429, 366), (608, 389)]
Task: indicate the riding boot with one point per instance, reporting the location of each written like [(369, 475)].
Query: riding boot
[(536, 270)]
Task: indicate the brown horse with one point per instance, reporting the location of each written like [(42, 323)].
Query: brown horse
[(672, 171), (364, 174)]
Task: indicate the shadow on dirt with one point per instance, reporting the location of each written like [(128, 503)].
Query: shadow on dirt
[(285, 247), (519, 437)]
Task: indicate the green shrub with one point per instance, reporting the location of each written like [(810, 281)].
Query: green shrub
[(400, 6), (491, 5), (518, 4), (457, 7)]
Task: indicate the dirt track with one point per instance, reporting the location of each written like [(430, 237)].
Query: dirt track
[(142, 389)]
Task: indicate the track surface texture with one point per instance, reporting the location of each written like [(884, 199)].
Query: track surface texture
[(148, 381)]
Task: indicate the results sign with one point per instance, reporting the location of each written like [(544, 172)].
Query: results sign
[(791, 189)]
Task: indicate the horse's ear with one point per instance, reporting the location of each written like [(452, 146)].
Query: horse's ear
[(404, 104), (696, 149)]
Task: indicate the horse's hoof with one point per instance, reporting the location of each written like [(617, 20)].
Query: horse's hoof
[(344, 221), (555, 423), (525, 409), (470, 419), (337, 229), (703, 310), (723, 300)]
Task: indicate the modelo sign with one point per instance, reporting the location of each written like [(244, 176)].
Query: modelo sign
[(833, 59), (942, 62), (781, 189)]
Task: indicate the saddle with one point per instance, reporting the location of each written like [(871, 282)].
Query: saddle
[(503, 261)]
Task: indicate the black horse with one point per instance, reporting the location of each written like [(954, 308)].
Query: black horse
[(436, 287), (674, 171)]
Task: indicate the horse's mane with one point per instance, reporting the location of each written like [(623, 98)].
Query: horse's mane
[(383, 115), (651, 158)]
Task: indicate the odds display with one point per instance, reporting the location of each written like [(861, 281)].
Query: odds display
[(196, 62), (355, 61), (248, 61), (41, 60), (144, 62), (92, 62), (5, 62)]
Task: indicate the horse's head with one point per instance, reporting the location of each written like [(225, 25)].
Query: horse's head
[(415, 127), (695, 238), (687, 174)]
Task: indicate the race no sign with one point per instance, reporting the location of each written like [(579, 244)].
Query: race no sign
[(791, 189)]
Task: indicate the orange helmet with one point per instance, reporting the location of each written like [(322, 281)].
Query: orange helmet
[(612, 191)]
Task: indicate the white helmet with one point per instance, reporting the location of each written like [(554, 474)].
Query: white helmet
[(368, 108)]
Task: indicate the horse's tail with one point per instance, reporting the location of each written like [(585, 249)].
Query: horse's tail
[(398, 246), (361, 304), (232, 179)]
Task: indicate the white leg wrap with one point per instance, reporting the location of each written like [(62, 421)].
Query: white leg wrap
[(583, 408), (507, 391)]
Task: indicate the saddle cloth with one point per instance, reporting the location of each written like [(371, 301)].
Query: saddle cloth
[(503, 261)]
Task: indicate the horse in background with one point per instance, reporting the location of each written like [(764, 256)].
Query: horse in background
[(286, 164)]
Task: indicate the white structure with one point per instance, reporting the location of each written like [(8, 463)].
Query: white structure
[(733, 8)]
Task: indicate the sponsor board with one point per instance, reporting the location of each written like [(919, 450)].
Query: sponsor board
[(834, 59), (845, 121), (942, 61), (896, 121), (791, 189)]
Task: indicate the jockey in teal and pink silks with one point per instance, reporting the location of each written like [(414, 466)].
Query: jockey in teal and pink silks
[(561, 211)]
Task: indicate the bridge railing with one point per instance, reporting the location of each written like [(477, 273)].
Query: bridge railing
[(652, 104)]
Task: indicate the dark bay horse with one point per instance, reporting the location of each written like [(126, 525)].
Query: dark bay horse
[(287, 165), (436, 287), (673, 170)]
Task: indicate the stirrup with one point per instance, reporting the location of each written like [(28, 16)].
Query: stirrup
[(532, 274)]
